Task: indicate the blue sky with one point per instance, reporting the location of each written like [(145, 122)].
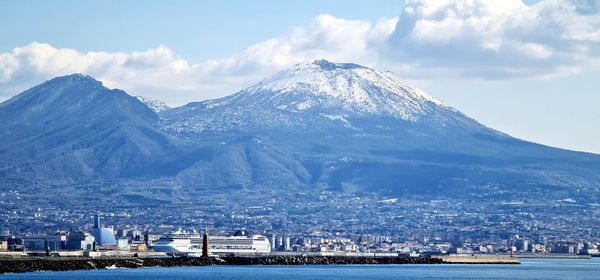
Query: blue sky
[(197, 30), (529, 69)]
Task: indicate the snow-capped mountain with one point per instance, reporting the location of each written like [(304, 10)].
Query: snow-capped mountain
[(310, 93), (355, 128), (324, 84), (153, 104)]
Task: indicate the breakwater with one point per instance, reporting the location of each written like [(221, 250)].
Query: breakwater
[(327, 260), (477, 259), (30, 264), (65, 264)]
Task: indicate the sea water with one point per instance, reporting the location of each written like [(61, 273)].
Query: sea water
[(529, 269)]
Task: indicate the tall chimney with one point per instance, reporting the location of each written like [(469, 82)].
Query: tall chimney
[(205, 244)]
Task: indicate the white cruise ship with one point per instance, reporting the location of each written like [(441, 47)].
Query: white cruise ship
[(180, 243)]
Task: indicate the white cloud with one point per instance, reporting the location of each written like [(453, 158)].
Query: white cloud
[(497, 39), (484, 39)]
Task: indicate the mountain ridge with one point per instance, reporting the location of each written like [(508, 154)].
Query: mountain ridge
[(337, 126)]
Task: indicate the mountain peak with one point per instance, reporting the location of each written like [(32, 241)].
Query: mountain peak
[(327, 65), (80, 76), (77, 79), (68, 86), (351, 87)]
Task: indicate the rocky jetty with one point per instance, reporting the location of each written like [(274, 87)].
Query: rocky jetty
[(327, 260), (477, 259), (30, 264), (65, 264)]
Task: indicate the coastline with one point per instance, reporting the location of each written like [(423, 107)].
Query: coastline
[(32, 264)]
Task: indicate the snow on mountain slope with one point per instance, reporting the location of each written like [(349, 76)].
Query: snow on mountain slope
[(309, 93), (153, 104), (351, 86)]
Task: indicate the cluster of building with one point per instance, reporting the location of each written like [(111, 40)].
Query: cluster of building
[(100, 238), (384, 244), (97, 239), (318, 221)]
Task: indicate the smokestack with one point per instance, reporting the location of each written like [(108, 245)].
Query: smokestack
[(96, 221), (205, 244)]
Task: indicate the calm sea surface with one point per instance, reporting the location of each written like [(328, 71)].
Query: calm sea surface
[(529, 269)]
